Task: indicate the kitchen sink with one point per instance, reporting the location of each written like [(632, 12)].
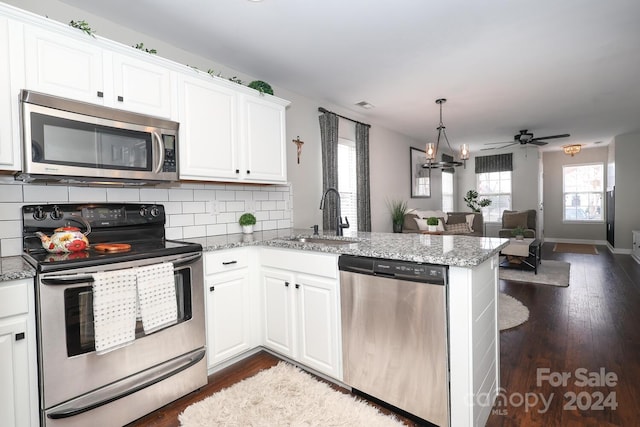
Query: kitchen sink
[(322, 241)]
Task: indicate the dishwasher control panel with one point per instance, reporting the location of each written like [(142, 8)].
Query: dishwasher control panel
[(394, 269)]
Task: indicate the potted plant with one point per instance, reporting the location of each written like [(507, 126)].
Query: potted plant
[(247, 221), (472, 201), (398, 210), (432, 223), (518, 233)]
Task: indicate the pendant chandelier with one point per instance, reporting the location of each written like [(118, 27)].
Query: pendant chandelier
[(432, 149), (571, 150)]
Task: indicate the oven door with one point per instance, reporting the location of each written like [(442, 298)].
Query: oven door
[(69, 365)]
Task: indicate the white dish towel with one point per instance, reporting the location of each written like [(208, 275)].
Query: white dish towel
[(157, 296), (114, 309)]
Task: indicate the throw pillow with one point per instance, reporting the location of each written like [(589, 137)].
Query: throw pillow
[(470, 219), (459, 228), (422, 223), (440, 226), (513, 220), (456, 218)]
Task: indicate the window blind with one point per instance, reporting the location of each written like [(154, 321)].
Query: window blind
[(495, 163)]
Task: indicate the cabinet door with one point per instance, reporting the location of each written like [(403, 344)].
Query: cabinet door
[(264, 140), (9, 131), (141, 86), (64, 66), (208, 131), (14, 372), (278, 311), (228, 315), (318, 325)]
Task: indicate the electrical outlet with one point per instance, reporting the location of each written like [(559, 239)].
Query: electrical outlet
[(250, 206), (214, 207)]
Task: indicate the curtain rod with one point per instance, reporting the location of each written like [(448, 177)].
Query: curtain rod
[(324, 110)]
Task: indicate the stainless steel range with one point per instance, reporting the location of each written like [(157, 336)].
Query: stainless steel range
[(121, 324)]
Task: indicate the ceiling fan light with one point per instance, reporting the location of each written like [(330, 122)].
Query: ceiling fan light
[(572, 149)]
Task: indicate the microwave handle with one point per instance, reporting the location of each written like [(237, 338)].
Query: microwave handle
[(156, 136)]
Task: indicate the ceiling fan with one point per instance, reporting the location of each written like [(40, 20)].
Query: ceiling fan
[(525, 137)]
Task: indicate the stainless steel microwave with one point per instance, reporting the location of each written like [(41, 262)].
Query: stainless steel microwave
[(71, 141)]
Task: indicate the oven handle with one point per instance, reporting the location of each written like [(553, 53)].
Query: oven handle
[(125, 387), (72, 279)]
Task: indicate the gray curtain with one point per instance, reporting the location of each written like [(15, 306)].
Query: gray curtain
[(362, 177), (329, 138)]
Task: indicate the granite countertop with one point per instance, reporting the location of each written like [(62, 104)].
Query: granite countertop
[(452, 250)]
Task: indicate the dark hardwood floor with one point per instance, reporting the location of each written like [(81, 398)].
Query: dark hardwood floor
[(590, 327)]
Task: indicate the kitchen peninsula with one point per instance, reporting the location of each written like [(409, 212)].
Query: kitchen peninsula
[(262, 260)]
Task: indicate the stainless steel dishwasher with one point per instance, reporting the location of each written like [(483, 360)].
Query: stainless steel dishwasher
[(394, 334)]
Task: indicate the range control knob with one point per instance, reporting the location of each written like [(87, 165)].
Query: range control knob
[(56, 213), (39, 214), (144, 211), (155, 211)]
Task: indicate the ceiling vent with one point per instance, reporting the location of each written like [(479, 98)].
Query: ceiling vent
[(365, 105)]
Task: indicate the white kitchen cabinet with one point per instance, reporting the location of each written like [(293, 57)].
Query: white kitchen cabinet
[(229, 307), (263, 134), (9, 83), (208, 115), (75, 66), (301, 310), (228, 134), (18, 381)]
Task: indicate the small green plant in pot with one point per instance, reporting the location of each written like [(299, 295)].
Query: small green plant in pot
[(398, 209), (247, 221), (432, 222), (518, 233)]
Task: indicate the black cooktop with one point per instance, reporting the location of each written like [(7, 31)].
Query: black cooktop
[(140, 226)]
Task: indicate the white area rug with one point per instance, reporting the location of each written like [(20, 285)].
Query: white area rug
[(511, 312), (283, 396), (555, 273)]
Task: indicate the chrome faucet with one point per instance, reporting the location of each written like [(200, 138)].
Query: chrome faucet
[(339, 224)]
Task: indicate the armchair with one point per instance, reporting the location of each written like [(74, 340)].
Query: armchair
[(512, 219)]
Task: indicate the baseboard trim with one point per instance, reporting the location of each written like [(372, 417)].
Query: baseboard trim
[(576, 241)]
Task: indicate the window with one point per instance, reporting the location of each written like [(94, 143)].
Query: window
[(447, 191), (495, 186), (347, 181), (583, 187)]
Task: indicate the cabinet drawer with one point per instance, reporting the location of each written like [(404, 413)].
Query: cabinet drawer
[(13, 298), (226, 260)]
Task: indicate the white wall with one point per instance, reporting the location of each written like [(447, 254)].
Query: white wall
[(627, 193)]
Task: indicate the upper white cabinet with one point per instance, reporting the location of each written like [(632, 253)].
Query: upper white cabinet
[(208, 116), (72, 67), (9, 116), (229, 135)]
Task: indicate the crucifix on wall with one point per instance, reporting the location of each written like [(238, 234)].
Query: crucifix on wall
[(299, 144)]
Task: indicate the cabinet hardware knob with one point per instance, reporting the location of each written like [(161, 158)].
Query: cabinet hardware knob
[(248, 171), (100, 94), (286, 284), (229, 262), (120, 98), (237, 170), (297, 286), (212, 288), (19, 336)]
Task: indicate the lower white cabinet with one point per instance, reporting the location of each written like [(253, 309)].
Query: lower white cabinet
[(301, 311), (18, 371), (229, 305)]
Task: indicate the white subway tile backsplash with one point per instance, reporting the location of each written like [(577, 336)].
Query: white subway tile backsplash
[(87, 194), (45, 193), (216, 230), (130, 195), (181, 194), (11, 193), (180, 220), (155, 195), (192, 209)]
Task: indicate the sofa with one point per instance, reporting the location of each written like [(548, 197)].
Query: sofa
[(512, 219), (462, 223)]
